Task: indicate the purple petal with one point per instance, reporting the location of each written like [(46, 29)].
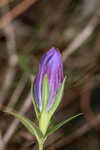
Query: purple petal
[(51, 64)]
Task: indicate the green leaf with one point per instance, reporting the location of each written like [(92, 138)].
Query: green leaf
[(45, 92), (31, 127), (33, 101), (57, 99), (52, 130)]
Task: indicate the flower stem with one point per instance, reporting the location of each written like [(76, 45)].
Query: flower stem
[(40, 145)]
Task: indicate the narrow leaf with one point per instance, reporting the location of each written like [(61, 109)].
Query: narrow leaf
[(31, 127), (52, 130)]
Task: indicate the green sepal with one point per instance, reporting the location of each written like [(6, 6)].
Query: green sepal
[(33, 100), (44, 119), (45, 116), (57, 99), (45, 93), (53, 129), (31, 127)]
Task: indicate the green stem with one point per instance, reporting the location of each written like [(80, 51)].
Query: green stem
[(40, 145)]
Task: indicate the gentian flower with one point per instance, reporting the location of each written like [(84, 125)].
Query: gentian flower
[(51, 65)]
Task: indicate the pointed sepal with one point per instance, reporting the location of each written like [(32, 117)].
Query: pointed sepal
[(57, 99), (33, 100), (45, 93)]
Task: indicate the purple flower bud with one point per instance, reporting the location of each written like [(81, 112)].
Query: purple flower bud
[(51, 65)]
